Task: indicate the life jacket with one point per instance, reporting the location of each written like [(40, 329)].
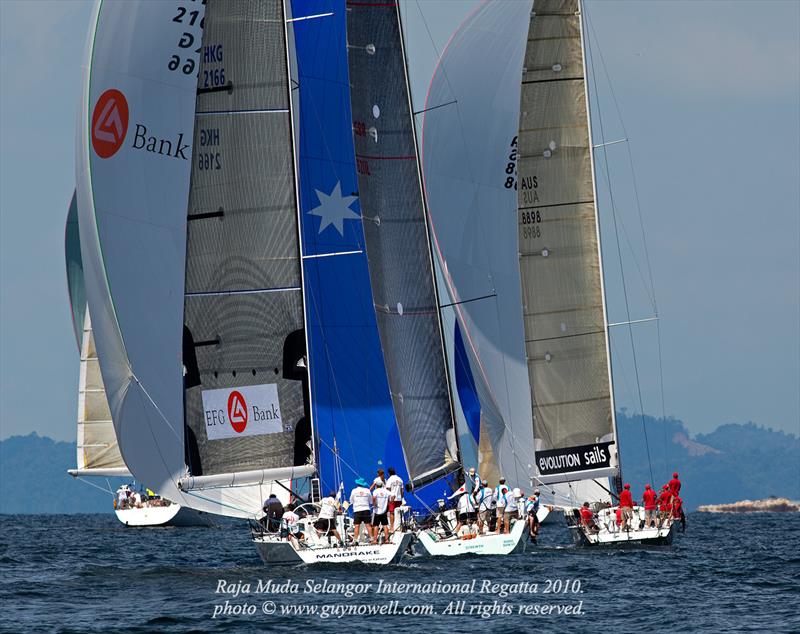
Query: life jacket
[(500, 493)]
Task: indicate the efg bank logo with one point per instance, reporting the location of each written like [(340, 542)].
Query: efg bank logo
[(109, 123), (237, 411)]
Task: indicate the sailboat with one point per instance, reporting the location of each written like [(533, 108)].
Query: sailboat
[(98, 452), (241, 347), (564, 304)]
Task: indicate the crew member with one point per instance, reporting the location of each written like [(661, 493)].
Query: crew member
[(664, 505), (395, 486), (326, 522), (484, 500), (677, 511), (531, 511), (512, 508), (587, 518), (290, 525), (466, 513), (649, 502), (473, 483), (361, 501), (675, 485), (273, 511), (380, 502), (501, 499), (379, 478), (626, 506)]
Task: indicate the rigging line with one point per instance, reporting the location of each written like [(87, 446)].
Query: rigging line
[(619, 254), (96, 486), (220, 503), (630, 162), (644, 236)]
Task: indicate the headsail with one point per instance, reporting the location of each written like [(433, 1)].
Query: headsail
[(134, 156), (564, 313), (397, 241), (353, 419), (97, 449), (468, 147)]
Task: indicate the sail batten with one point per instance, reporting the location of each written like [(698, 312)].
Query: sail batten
[(562, 287)]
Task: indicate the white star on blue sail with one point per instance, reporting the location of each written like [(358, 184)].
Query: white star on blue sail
[(334, 209)]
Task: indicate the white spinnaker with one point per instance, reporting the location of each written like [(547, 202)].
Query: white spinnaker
[(132, 210), (466, 147)]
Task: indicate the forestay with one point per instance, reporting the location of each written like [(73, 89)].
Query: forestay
[(397, 241), (562, 287)]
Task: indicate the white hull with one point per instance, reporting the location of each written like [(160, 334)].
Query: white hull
[(611, 535), (172, 515), (429, 543), (277, 551)]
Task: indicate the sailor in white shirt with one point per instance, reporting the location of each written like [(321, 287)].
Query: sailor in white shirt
[(466, 513), (379, 478), (395, 487), (473, 483), (290, 525), (501, 499), (484, 500), (380, 503), (511, 508), (361, 501), (326, 522)]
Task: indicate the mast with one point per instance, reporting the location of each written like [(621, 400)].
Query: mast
[(300, 250), (599, 244)]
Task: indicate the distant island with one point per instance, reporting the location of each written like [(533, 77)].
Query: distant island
[(734, 462), (770, 505)]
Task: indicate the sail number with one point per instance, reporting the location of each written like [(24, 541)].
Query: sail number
[(511, 166), (530, 224), (183, 59), (209, 137)]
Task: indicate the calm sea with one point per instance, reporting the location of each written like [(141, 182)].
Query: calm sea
[(91, 574)]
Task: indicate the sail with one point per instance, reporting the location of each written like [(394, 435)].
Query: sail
[(397, 242), (470, 120), (75, 284), (97, 449), (351, 406), (564, 314), (133, 163), (247, 417)]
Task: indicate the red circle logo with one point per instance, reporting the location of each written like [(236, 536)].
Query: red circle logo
[(109, 123), (237, 411)]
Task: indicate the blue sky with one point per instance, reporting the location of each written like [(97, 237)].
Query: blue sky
[(710, 98)]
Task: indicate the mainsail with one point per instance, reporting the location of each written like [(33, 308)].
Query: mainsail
[(397, 241), (354, 424), (244, 342), (97, 449), (564, 314)]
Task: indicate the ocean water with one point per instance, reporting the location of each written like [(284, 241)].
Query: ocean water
[(91, 574)]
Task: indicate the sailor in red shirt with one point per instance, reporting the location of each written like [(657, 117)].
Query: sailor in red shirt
[(664, 505), (649, 501), (626, 504), (677, 507), (675, 484), (587, 518)]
